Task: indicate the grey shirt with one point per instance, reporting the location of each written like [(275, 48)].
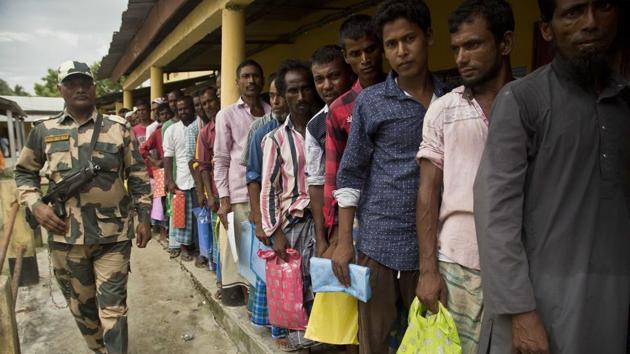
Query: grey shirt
[(552, 213)]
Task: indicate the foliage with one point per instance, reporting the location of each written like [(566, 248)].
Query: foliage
[(49, 87), (17, 90), (104, 86)]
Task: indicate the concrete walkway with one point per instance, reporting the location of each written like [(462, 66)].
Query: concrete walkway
[(164, 306)]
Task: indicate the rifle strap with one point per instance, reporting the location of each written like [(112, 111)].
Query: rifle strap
[(97, 130)]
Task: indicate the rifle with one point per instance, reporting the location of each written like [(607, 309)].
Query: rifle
[(59, 193)]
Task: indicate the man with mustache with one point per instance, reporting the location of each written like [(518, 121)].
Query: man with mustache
[(552, 194), (232, 126), (453, 139), (90, 247)]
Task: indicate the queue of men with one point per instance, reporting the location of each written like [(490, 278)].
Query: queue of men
[(505, 200)]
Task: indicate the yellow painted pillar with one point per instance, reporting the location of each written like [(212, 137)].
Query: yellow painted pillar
[(127, 99), (157, 82), (232, 51)]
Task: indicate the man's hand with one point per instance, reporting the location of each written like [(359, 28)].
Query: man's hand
[(201, 196), (344, 253), (528, 334), (260, 234), (171, 187), (224, 209), (213, 203), (280, 244), (321, 246), (143, 235), (431, 288), (155, 162), (46, 217)]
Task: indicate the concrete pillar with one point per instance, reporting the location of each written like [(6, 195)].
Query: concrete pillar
[(11, 134), (127, 99), (20, 133), (232, 51), (157, 82)]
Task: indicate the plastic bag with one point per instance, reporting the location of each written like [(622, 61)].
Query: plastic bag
[(334, 319), (244, 253), (179, 210), (204, 230), (325, 281), (158, 177), (431, 334), (285, 290)]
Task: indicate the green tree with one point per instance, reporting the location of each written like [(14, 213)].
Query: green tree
[(5, 89), (19, 91), (104, 86), (49, 87)]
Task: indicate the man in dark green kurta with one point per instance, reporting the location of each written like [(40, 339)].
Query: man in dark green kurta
[(552, 195)]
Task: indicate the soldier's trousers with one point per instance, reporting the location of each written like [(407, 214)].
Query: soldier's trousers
[(93, 279)]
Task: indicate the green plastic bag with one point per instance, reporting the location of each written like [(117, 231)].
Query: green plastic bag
[(433, 334)]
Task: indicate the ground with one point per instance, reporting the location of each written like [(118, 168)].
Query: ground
[(164, 307)]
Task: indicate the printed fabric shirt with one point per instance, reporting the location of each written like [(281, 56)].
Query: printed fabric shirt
[(338, 124), (379, 162), (255, 157), (101, 212), (315, 157), (283, 195), (232, 126), (175, 146), (192, 131), (205, 146), (453, 139)]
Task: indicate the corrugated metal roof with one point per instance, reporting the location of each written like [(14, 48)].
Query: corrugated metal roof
[(11, 105), (132, 19), (33, 104)]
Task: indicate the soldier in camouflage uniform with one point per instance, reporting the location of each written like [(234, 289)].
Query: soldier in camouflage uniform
[(90, 249)]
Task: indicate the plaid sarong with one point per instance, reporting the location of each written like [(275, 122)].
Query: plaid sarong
[(184, 236), (260, 311)]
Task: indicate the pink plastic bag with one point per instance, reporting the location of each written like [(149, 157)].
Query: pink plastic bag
[(285, 290)]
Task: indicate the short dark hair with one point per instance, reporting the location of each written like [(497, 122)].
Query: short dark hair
[(209, 88), (356, 27), (497, 13), (415, 11), (248, 62), (177, 92), (186, 98), (327, 54), (123, 111), (291, 65), (272, 77), (547, 7), (142, 102)]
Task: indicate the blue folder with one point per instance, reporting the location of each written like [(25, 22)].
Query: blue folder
[(325, 281)]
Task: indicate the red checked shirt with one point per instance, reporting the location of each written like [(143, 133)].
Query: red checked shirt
[(337, 130)]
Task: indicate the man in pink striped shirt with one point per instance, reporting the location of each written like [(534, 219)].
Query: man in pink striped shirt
[(232, 125), (284, 199)]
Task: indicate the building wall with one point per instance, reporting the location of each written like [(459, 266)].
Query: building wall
[(440, 56)]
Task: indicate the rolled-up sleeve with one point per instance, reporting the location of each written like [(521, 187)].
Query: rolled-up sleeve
[(271, 186), (356, 158), (432, 145), (204, 148), (254, 158), (222, 148), (498, 205), (315, 165)]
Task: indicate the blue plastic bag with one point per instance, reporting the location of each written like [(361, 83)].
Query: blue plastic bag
[(204, 230), (325, 281)]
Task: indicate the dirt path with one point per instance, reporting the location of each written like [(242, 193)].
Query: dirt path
[(163, 307)]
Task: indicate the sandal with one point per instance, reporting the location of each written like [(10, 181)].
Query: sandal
[(284, 345), (201, 262), (296, 340), (186, 257), (174, 253)]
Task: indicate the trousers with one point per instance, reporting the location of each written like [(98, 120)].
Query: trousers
[(93, 280)]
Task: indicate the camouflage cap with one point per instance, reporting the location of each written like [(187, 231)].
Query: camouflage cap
[(72, 67)]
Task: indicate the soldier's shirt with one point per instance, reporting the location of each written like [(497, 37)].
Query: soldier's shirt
[(101, 212)]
